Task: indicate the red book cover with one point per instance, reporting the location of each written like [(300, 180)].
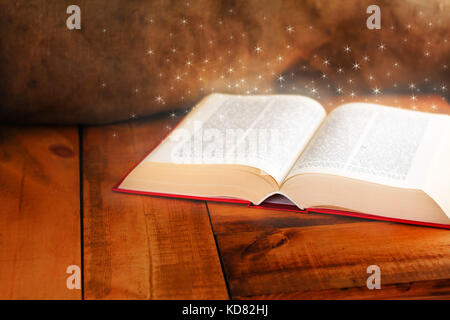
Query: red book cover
[(276, 204)]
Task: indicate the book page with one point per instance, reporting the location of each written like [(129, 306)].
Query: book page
[(375, 143), (265, 132)]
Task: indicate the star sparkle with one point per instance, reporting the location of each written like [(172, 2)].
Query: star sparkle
[(290, 29), (382, 47), (211, 70), (376, 91)]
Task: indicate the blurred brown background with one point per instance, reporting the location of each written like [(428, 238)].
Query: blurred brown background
[(136, 58)]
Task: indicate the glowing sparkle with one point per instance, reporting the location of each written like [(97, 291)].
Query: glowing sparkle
[(159, 99), (376, 91), (207, 66), (290, 29)]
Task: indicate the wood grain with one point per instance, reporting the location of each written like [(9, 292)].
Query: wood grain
[(296, 260), (420, 290), (141, 247), (269, 254), (40, 216)]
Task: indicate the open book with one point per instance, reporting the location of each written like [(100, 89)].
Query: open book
[(391, 163)]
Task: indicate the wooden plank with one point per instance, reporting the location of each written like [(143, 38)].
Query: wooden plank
[(421, 290), (142, 247), (305, 254), (282, 255), (40, 215)]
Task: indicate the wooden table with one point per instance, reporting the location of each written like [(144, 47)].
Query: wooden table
[(57, 209)]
